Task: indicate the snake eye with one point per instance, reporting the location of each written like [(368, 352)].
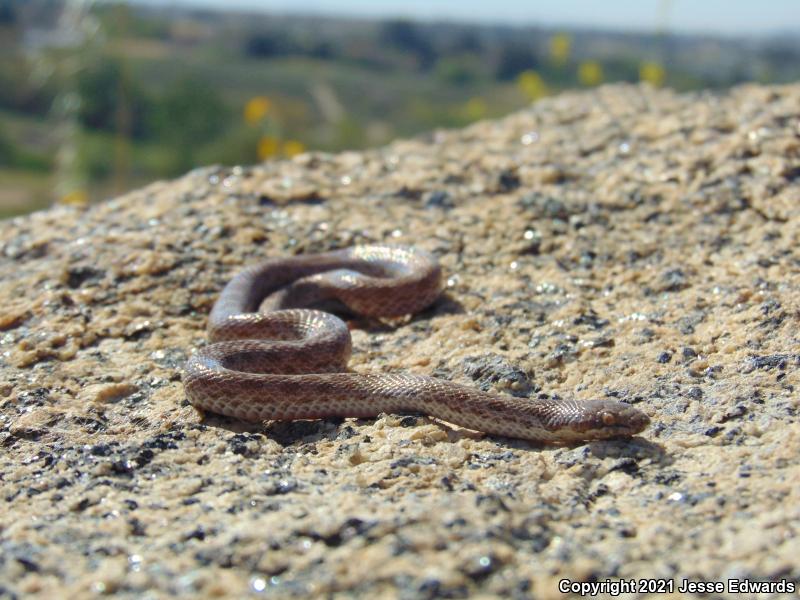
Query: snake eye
[(608, 419)]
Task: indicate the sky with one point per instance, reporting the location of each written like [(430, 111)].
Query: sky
[(734, 17)]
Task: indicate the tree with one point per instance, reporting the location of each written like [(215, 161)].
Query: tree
[(266, 45), (8, 13), (105, 91), (513, 60), (190, 114), (7, 153), (406, 36)]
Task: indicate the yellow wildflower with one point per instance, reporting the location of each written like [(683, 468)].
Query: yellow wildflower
[(75, 198), (256, 109), (560, 47), (293, 148), (475, 109), (652, 72), (590, 73), (532, 84), (267, 147)]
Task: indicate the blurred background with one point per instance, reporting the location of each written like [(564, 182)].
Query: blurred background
[(100, 97)]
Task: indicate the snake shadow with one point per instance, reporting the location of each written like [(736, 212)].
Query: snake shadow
[(445, 304), (627, 451), (285, 433), (636, 447)]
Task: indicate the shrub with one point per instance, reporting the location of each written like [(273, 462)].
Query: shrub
[(108, 95)]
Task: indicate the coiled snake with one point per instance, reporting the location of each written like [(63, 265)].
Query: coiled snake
[(270, 361)]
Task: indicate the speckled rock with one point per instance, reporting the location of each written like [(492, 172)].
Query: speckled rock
[(624, 243)]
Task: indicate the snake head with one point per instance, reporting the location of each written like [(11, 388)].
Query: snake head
[(604, 419)]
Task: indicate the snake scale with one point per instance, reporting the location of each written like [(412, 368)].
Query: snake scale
[(272, 357)]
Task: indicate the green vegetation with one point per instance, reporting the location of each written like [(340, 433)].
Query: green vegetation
[(133, 93)]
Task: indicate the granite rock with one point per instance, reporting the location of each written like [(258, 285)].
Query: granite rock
[(623, 243)]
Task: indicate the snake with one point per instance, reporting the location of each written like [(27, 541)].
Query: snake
[(277, 352)]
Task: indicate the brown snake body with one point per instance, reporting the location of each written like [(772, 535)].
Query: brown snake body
[(269, 361)]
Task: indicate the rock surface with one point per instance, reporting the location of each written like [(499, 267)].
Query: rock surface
[(624, 243)]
